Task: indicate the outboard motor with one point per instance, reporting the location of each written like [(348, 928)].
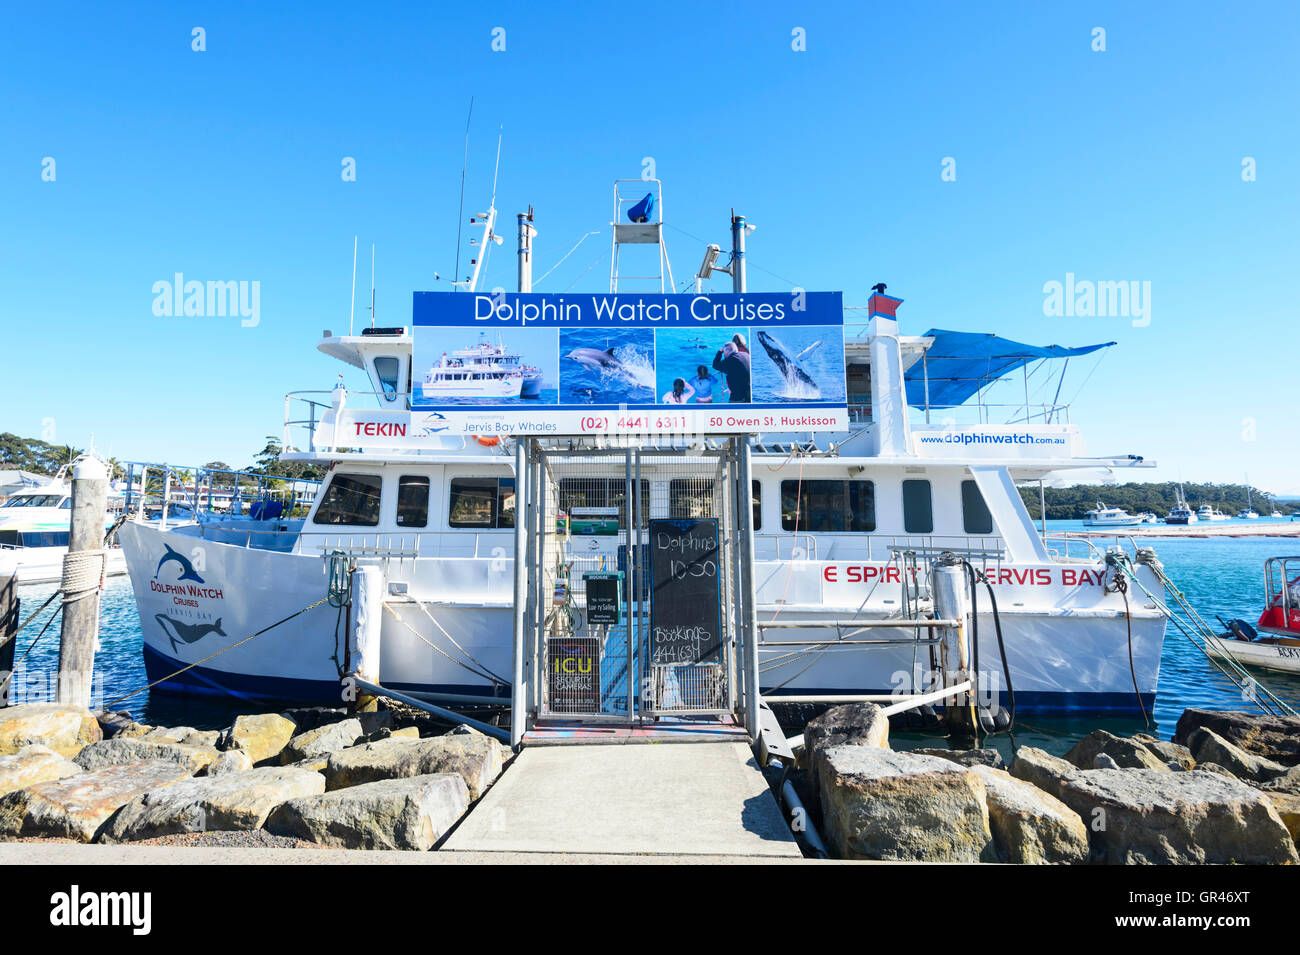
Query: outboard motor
[(1241, 630)]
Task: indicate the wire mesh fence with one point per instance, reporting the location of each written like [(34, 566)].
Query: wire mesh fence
[(597, 644)]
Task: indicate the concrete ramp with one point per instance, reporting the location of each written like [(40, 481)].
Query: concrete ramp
[(705, 798)]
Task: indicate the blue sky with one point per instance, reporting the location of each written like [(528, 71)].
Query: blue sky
[(225, 165)]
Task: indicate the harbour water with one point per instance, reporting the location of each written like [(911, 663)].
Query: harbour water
[(1222, 578)]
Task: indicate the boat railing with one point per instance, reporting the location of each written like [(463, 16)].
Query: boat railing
[(168, 488), (387, 544)]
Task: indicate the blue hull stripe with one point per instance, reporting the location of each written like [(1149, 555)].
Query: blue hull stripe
[(203, 681)]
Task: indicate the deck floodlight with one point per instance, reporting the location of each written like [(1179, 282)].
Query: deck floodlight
[(710, 259)]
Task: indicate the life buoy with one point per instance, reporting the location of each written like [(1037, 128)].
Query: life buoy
[(487, 440)]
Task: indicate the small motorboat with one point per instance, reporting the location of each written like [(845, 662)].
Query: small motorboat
[(1274, 641), (1103, 516)]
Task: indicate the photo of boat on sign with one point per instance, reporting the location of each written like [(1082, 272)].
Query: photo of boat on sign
[(504, 366)]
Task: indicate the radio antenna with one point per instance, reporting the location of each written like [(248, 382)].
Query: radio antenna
[(372, 285), (352, 309), (460, 214)]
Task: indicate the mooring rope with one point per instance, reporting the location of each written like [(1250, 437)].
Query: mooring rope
[(83, 574), (481, 674), (150, 686)]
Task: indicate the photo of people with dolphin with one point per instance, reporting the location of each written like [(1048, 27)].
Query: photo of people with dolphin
[(797, 363), (684, 365), (607, 366)]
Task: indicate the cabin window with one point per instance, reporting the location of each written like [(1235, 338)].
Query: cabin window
[(351, 499), (386, 370), (975, 515), (484, 503), (918, 508), (828, 506), (608, 493), (694, 497), (412, 501)]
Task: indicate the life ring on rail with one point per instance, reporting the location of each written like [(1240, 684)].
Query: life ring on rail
[(487, 440)]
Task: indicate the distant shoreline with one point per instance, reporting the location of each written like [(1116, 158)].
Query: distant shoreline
[(1270, 529)]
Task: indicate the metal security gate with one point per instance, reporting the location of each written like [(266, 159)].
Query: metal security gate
[(598, 523)]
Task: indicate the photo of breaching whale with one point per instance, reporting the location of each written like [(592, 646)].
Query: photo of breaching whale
[(607, 366), (799, 365), (186, 632)]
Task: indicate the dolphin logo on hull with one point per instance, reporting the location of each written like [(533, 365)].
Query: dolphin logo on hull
[(797, 381), (187, 569), (186, 632)]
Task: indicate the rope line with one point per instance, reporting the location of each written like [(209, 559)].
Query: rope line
[(150, 686)]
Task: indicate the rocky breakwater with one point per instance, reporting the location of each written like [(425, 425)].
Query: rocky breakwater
[(1225, 790), (318, 775)]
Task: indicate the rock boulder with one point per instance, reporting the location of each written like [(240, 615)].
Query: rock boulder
[(323, 740), (1127, 753), (880, 804), (31, 765), (123, 749), (1273, 737), (475, 757), (64, 729), (1159, 817), (409, 813), (262, 736), (77, 807), (241, 800), (967, 757), (1030, 826), (1041, 769), (1209, 747)]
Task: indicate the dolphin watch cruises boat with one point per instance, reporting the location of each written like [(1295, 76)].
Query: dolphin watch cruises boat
[(846, 526), (482, 370)]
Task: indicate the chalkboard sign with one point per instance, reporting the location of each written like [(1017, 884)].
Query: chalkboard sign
[(573, 674), (686, 602), (603, 598)]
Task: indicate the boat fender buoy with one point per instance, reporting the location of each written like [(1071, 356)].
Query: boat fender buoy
[(487, 440)]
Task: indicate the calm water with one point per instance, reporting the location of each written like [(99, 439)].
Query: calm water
[(1221, 578)]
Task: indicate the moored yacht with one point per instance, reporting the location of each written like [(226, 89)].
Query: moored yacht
[(1208, 512), (34, 528), (846, 525), (1103, 516)]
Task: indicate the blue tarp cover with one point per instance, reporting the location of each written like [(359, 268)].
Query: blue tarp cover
[(961, 363)]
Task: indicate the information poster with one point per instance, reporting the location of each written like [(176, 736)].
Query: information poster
[(510, 364)]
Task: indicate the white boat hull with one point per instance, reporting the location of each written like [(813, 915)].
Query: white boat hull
[(1067, 651), (43, 565), (1282, 657)]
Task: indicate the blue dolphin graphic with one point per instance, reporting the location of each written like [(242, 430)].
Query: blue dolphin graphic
[(428, 428), (187, 569)]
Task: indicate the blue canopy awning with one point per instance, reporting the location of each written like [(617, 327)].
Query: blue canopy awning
[(959, 364)]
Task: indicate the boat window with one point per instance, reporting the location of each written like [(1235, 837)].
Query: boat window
[(482, 502), (694, 497), (412, 501), (975, 515), (918, 509), (602, 492), (828, 506), (351, 499), (44, 538), (66, 505), (387, 370)]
